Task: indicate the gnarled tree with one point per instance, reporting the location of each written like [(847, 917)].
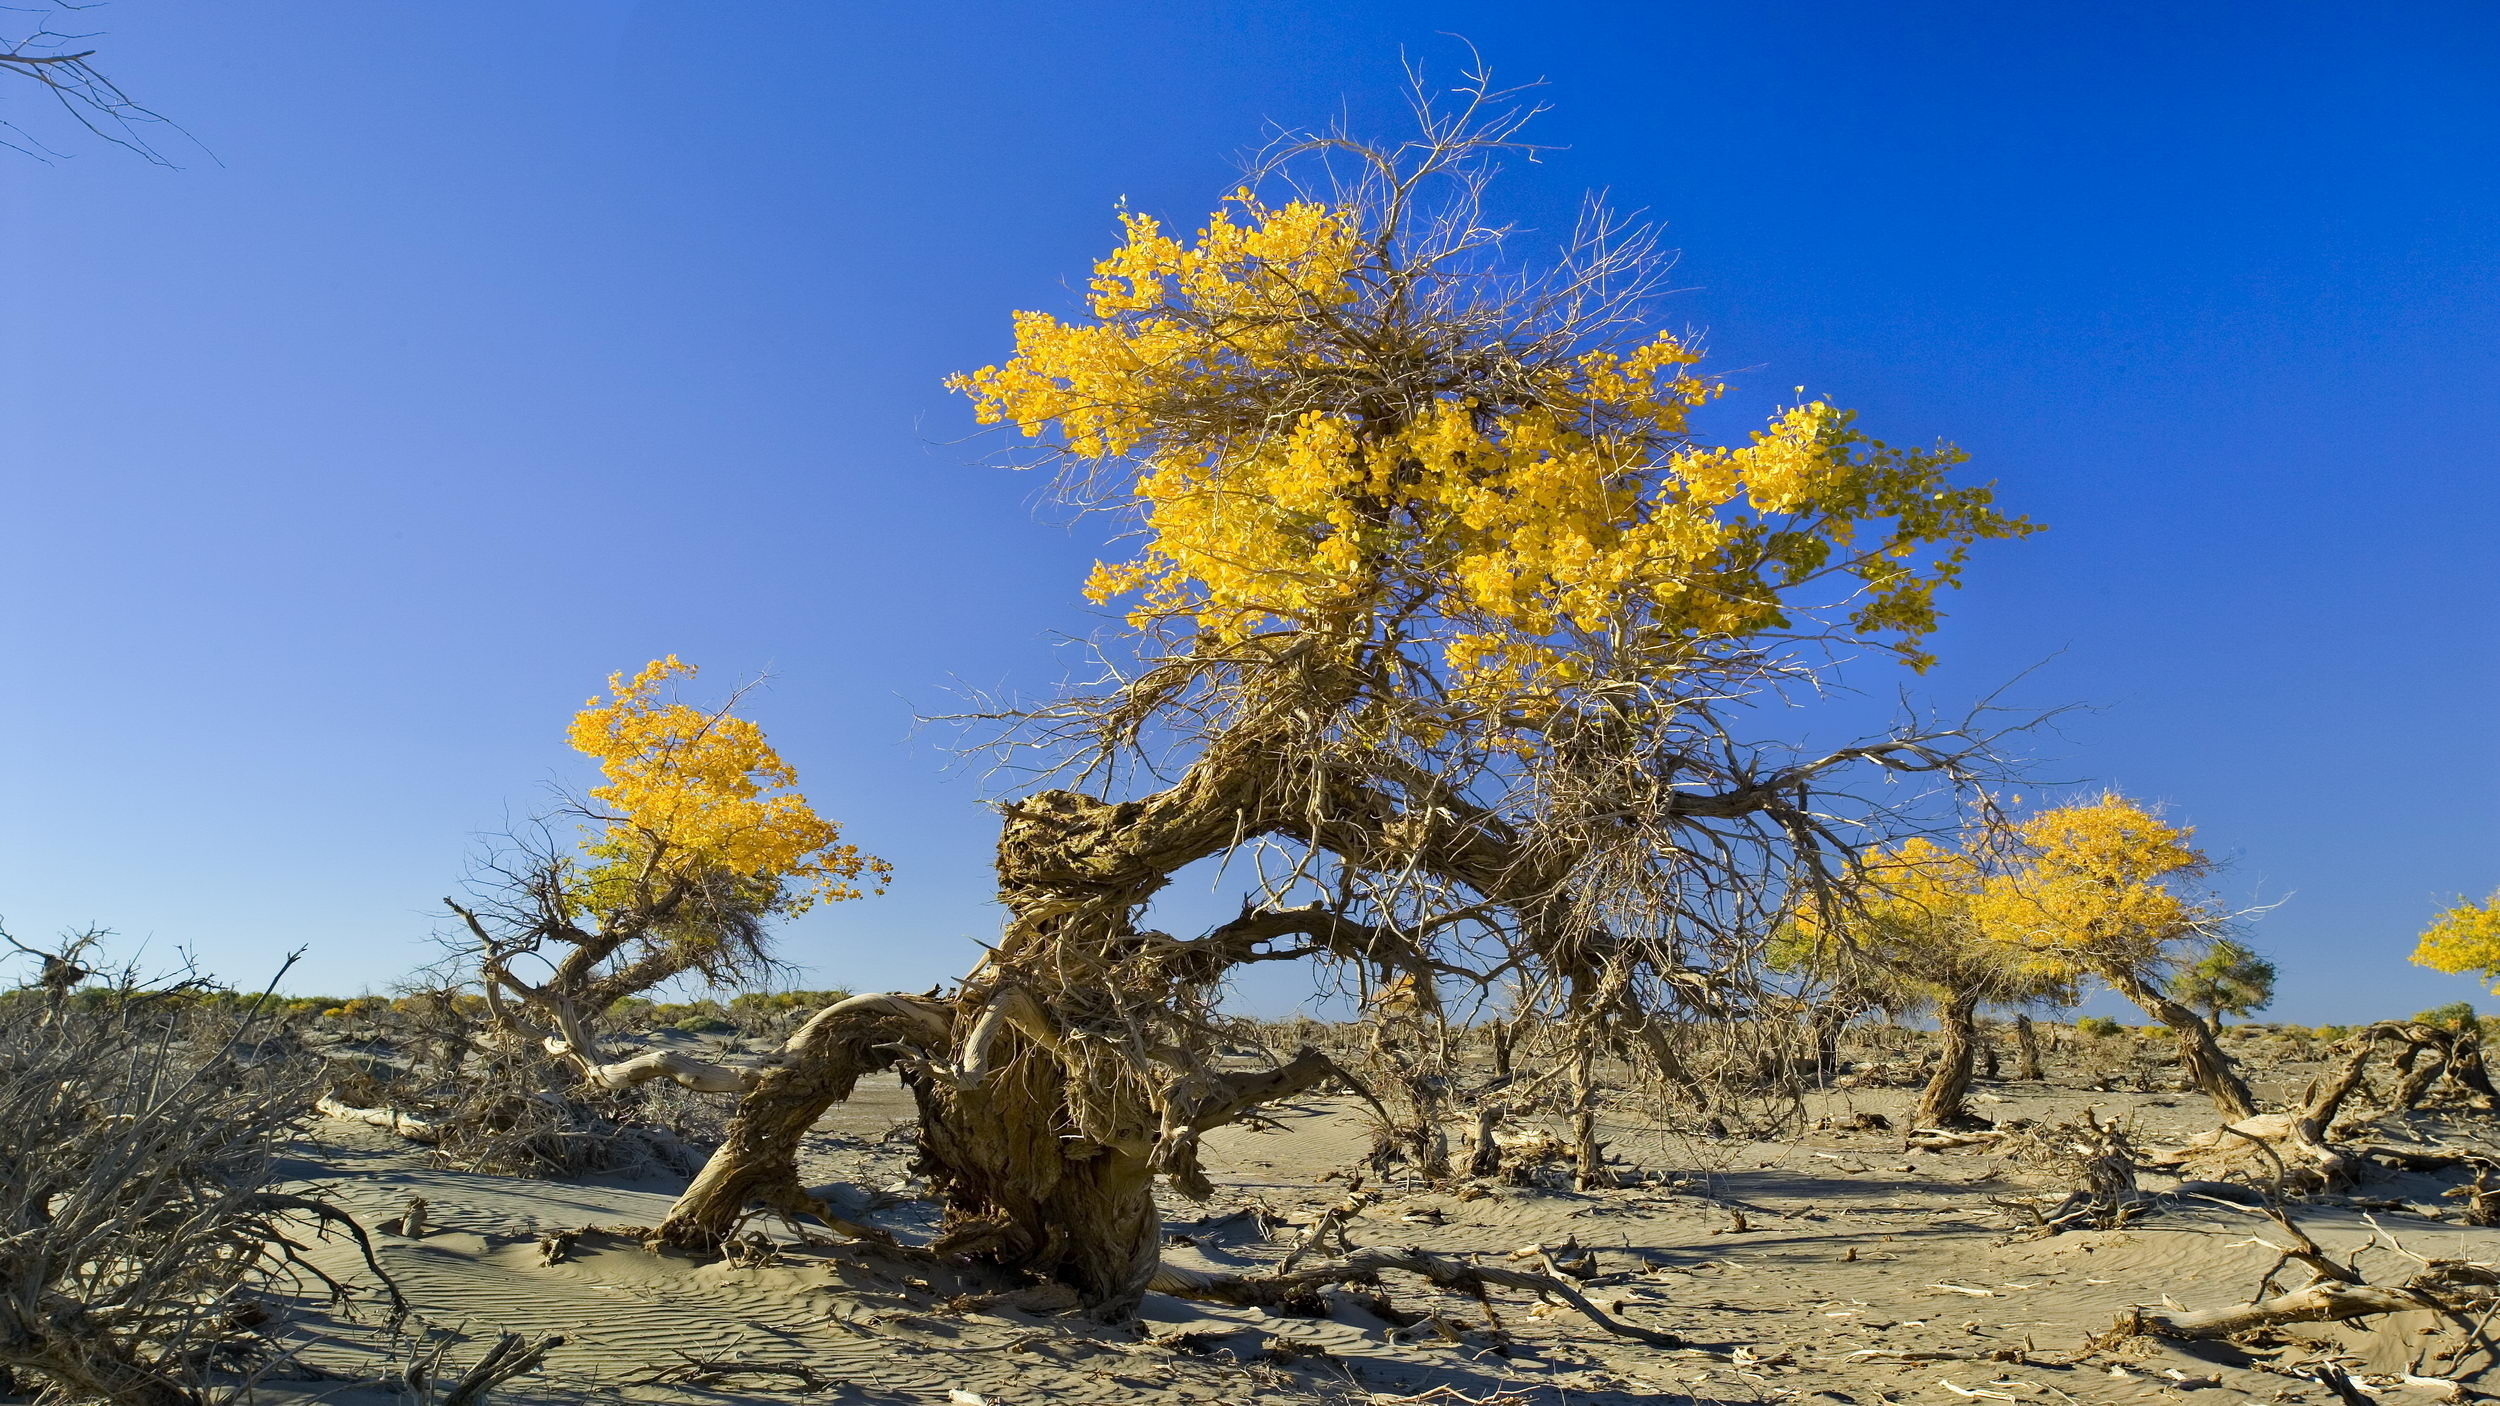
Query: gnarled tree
[(694, 842), (1441, 622)]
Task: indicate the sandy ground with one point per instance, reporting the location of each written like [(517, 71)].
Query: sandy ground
[(1863, 1274)]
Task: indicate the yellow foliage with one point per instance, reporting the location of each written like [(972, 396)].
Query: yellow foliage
[(1919, 932), (692, 795), (2096, 891), (2465, 938), (1258, 382), (2081, 890)]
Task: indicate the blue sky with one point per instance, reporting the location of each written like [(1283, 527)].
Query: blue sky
[(488, 349)]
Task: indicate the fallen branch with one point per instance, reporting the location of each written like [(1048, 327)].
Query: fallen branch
[(389, 1120), (2447, 1287), (508, 1358), (1365, 1267)]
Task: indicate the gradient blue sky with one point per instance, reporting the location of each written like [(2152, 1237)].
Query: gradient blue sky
[(501, 346)]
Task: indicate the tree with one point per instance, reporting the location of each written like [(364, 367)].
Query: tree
[(1442, 620), (61, 67), (2230, 979), (2465, 938), (1915, 940), (2104, 889), (693, 844)]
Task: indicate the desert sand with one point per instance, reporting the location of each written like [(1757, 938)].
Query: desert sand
[(1829, 1265)]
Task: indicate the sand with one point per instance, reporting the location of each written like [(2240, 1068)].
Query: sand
[(1863, 1274)]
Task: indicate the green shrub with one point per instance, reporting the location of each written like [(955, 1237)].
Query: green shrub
[(2456, 1015), (2098, 1027)]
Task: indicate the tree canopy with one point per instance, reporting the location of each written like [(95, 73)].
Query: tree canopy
[(2464, 938)]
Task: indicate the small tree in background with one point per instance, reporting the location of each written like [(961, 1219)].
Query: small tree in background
[(694, 843), (2107, 890), (2464, 939), (2230, 979), (1913, 942)]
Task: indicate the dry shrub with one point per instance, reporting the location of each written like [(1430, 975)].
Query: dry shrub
[(490, 1102), (2095, 1161), (138, 1129)]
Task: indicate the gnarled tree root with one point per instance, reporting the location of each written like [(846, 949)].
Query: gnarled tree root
[(1290, 1287)]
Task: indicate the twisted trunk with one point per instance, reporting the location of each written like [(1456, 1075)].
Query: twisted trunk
[(1941, 1103), (758, 1160), (2208, 1068)]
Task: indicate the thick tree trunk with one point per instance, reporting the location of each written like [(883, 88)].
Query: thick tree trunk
[(2465, 1066), (2027, 1047), (1829, 1022), (1940, 1104), (1484, 1157), (2419, 1074), (1025, 1190), (2208, 1068)]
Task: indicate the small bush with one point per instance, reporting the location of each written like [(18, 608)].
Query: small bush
[(2456, 1015), (2098, 1027), (137, 1133)]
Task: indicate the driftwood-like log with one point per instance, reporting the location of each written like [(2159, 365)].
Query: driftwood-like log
[(700, 1075), (389, 1120), (508, 1358), (1289, 1287), (2319, 1303)]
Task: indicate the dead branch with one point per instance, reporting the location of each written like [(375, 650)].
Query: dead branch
[(1365, 1266)]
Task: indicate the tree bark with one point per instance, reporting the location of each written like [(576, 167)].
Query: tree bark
[(758, 1161), (1026, 1189), (2208, 1068), (2027, 1047), (1587, 1151), (1941, 1103)]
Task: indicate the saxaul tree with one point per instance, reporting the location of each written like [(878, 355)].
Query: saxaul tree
[(1441, 624), (694, 843)]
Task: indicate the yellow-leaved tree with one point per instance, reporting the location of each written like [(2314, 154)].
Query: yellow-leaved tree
[(695, 840), (1439, 614), (1916, 939), (2465, 938), (2107, 889)]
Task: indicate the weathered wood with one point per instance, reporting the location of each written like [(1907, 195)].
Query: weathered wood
[(1365, 1266)]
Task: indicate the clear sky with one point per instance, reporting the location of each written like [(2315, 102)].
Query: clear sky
[(489, 348)]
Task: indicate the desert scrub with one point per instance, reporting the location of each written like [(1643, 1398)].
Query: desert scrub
[(137, 1134)]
